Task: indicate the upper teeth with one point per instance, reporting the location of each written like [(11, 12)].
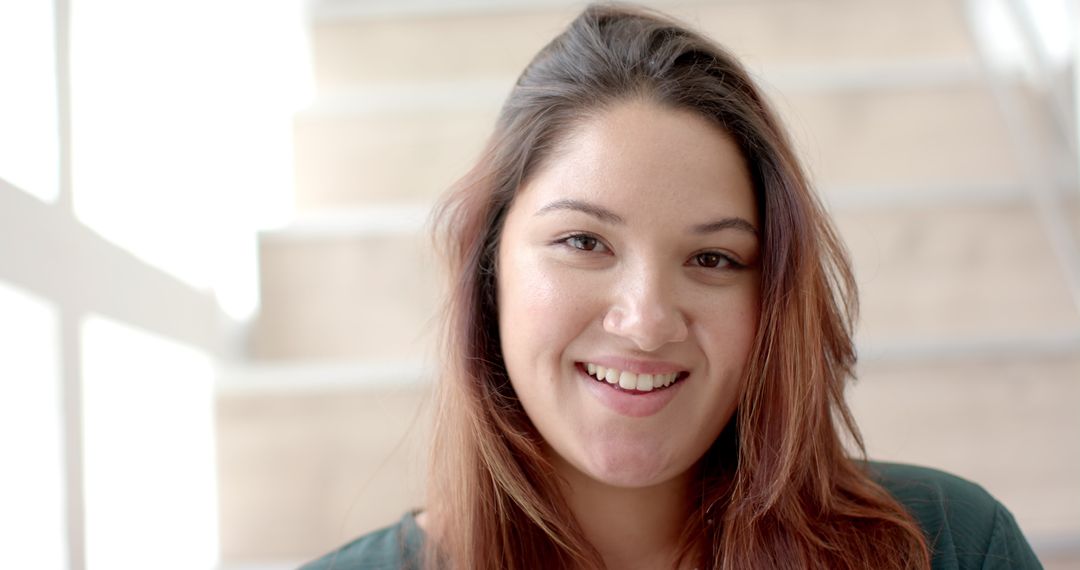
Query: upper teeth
[(629, 380)]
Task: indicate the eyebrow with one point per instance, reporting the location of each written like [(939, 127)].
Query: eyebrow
[(599, 212), (723, 224), (605, 215)]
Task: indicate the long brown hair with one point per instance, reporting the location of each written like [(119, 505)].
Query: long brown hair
[(777, 489)]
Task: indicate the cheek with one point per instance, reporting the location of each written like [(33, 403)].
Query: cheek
[(537, 297), (748, 318), (731, 328), (541, 313), (526, 289)]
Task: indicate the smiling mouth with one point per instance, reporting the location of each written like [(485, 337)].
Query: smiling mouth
[(630, 382)]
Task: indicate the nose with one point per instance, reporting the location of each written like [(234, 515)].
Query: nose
[(646, 312)]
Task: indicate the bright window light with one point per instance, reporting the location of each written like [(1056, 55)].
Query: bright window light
[(1000, 21), (31, 483), (182, 131), (1055, 21), (28, 136), (148, 446)]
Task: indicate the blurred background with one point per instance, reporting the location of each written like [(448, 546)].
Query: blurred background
[(218, 299)]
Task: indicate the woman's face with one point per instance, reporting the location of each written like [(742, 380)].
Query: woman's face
[(632, 253)]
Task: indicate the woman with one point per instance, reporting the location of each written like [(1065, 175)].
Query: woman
[(648, 336)]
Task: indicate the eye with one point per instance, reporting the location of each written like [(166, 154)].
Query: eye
[(583, 242), (714, 260)]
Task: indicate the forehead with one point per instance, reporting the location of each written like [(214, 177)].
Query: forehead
[(644, 160)]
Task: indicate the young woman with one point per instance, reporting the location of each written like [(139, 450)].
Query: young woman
[(648, 335)]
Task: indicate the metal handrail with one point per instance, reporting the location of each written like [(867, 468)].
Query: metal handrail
[(1036, 168), (1061, 107)]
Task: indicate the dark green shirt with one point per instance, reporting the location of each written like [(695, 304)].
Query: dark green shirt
[(965, 527)]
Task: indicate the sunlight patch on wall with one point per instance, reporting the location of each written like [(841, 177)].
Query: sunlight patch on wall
[(182, 132), (148, 446), (31, 482), (29, 139)]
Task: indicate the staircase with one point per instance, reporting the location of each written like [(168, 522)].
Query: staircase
[(964, 241)]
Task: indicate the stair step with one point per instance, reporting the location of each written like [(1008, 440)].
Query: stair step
[(956, 271), (358, 296), (386, 157), (943, 135), (922, 136), (797, 32), (1007, 424), (457, 45), (301, 474)]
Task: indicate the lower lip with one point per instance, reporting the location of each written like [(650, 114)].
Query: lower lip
[(629, 403)]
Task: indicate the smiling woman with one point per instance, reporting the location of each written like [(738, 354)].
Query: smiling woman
[(647, 341)]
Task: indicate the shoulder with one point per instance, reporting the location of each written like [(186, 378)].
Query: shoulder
[(964, 525), (391, 548)]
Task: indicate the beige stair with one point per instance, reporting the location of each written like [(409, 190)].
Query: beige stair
[(950, 272), (302, 473), (368, 151), (925, 136), (459, 45), (349, 297), (933, 135), (1008, 423), (380, 156)]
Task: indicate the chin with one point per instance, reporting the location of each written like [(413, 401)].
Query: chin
[(630, 466)]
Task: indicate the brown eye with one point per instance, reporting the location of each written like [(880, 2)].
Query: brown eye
[(583, 242), (711, 260)]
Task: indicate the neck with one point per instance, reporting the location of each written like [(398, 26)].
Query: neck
[(630, 527)]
